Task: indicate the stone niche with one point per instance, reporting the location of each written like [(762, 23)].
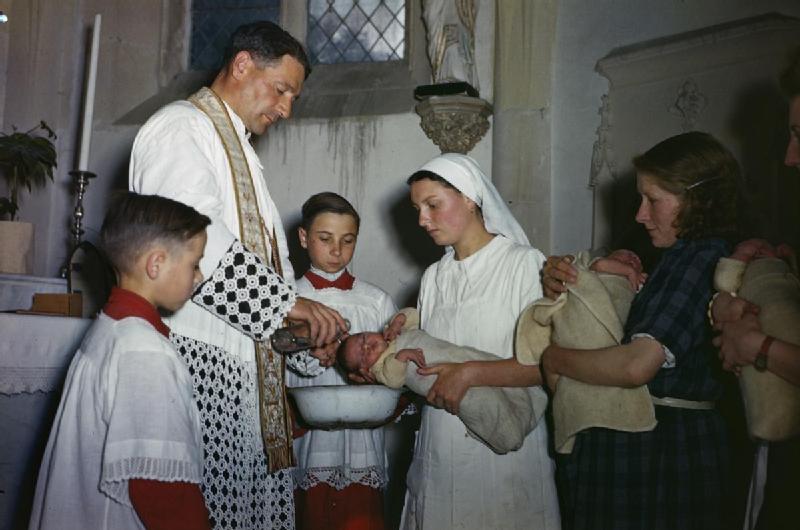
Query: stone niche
[(722, 80)]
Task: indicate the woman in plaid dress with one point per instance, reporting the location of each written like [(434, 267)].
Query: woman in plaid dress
[(674, 476)]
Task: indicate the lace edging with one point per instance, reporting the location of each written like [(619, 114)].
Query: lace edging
[(115, 476), (339, 477)]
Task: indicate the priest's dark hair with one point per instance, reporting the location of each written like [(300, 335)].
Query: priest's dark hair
[(327, 202), (134, 223), (267, 42)]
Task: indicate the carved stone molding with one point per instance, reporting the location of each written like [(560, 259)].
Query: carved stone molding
[(689, 103), (454, 123), (602, 156)]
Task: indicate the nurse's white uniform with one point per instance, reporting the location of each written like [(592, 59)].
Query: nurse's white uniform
[(455, 481)]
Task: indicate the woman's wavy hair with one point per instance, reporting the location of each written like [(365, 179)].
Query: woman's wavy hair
[(697, 168)]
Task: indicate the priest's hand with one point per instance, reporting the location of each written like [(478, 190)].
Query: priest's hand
[(325, 324)]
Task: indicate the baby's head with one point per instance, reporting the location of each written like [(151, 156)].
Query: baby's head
[(626, 257), (360, 351)]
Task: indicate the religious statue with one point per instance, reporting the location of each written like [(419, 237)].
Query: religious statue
[(451, 40)]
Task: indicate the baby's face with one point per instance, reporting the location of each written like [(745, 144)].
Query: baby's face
[(362, 350)]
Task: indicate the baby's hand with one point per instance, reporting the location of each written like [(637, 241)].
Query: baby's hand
[(362, 377), (394, 328), (414, 355)]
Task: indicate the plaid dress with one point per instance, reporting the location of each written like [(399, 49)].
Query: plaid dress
[(674, 476)]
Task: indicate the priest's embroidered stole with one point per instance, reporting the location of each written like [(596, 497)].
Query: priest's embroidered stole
[(275, 421)]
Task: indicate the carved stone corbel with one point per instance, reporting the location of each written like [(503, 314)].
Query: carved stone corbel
[(454, 123)]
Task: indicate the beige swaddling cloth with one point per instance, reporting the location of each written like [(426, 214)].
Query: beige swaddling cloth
[(500, 417), (589, 316), (772, 404)]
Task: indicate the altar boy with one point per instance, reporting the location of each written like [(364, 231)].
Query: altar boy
[(125, 450)]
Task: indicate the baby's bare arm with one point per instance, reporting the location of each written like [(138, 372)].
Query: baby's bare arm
[(628, 268), (395, 327), (414, 355)]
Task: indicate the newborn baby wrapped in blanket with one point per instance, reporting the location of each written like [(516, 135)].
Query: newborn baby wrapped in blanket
[(590, 315), (500, 417), (772, 404)]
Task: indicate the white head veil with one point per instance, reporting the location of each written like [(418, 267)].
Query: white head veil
[(467, 177)]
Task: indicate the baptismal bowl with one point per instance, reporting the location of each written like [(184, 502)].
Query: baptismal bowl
[(345, 406)]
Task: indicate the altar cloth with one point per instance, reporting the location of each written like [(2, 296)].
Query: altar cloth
[(35, 353)]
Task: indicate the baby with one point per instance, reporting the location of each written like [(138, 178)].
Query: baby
[(500, 417), (762, 275), (622, 263), (591, 314)]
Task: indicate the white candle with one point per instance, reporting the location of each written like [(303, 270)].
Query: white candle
[(88, 106)]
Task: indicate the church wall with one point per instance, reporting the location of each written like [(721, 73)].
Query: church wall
[(586, 32)]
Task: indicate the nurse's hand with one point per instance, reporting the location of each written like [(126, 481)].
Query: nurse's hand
[(452, 382), (362, 377)]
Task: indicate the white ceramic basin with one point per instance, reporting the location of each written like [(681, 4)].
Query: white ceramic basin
[(345, 407)]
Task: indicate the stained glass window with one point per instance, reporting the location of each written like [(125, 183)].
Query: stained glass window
[(356, 31), (213, 22)]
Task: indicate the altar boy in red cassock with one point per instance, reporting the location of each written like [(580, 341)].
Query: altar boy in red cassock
[(125, 449)]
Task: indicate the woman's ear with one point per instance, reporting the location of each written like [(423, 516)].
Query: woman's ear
[(303, 235), (471, 206)]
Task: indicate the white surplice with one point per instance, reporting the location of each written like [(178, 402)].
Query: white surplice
[(347, 456), (455, 481), (126, 412)]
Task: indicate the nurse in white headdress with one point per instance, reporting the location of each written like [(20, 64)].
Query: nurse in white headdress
[(472, 297)]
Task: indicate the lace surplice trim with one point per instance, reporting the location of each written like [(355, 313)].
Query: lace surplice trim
[(114, 481), (340, 477)]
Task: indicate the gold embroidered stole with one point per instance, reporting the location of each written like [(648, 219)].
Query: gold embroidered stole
[(276, 429)]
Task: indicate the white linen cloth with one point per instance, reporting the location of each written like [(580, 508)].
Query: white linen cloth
[(456, 481), (17, 290), (346, 456), (36, 350), (126, 412)]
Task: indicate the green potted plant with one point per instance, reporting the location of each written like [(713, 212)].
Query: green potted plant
[(27, 160)]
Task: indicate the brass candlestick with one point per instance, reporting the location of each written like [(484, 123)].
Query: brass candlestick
[(81, 179)]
